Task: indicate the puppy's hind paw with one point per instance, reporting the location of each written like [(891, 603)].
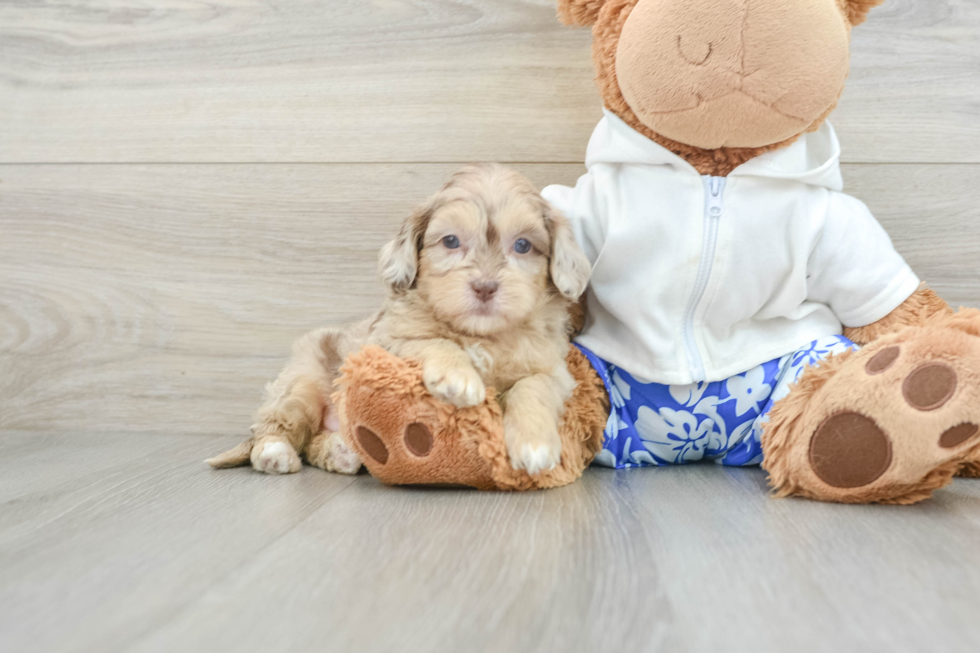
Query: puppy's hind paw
[(338, 457), (276, 457)]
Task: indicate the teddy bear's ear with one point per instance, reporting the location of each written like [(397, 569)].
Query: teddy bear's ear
[(857, 10), (583, 13)]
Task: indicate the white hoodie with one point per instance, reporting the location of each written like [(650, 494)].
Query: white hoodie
[(701, 278)]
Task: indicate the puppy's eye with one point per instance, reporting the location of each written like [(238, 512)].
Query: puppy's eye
[(451, 242), (522, 246)]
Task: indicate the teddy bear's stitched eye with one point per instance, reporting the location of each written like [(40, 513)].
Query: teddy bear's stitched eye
[(522, 246), (451, 242)]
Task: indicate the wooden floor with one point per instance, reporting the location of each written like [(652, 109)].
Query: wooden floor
[(186, 186), (129, 543)]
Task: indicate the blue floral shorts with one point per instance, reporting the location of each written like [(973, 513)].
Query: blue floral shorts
[(655, 424)]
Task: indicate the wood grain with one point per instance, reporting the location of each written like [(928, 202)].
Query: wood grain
[(161, 298), (788, 575), (104, 538), (405, 80), (140, 548), (190, 184)]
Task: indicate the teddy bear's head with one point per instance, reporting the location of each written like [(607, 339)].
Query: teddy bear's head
[(720, 81)]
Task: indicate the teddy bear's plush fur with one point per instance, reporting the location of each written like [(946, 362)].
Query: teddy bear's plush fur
[(907, 404), (607, 18), (405, 436), (719, 82)]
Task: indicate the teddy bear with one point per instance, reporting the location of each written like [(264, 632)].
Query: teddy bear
[(742, 308)]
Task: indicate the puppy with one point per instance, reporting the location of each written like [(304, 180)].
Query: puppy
[(480, 282)]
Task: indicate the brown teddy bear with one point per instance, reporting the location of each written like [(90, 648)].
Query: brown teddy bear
[(742, 308)]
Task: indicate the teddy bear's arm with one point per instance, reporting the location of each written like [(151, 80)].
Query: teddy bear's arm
[(576, 317), (923, 306)]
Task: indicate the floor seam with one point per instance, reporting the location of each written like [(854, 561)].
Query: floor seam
[(221, 579)]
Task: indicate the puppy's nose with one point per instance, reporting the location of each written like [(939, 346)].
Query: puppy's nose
[(485, 290)]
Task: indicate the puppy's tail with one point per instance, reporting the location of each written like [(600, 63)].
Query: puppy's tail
[(236, 457)]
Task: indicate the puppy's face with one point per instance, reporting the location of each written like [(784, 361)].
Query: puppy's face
[(485, 252), (484, 260)]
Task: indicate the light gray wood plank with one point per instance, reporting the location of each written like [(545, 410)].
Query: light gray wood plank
[(92, 556), (931, 213), (152, 551), (433, 570), (898, 105), (681, 559), (759, 574), (405, 80), (162, 298), (169, 295)]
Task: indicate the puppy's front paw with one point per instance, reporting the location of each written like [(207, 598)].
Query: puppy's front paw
[(532, 452), (536, 459), (276, 457), (460, 386)]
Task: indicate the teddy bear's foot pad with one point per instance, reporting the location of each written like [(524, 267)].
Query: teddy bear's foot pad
[(403, 435), (417, 440), (849, 450), (888, 424)]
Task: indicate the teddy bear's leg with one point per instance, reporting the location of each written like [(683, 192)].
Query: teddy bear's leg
[(403, 434), (970, 470), (407, 437), (887, 424)]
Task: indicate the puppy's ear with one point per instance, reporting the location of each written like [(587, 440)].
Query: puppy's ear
[(582, 13), (857, 10), (570, 267), (399, 259)]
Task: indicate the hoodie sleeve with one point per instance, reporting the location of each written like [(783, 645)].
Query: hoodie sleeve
[(854, 267), (582, 206)]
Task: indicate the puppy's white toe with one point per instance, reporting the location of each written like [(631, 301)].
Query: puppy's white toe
[(537, 459), (277, 458), (473, 394), (462, 388), (340, 458)]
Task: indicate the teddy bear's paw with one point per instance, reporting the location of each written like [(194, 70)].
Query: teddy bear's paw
[(894, 422), (405, 436), (970, 469), (275, 457)]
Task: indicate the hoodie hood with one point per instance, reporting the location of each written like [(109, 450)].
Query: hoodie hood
[(813, 159)]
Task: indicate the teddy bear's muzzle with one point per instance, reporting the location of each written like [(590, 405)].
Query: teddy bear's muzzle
[(732, 73)]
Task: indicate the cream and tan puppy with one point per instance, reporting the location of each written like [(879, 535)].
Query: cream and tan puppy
[(480, 278)]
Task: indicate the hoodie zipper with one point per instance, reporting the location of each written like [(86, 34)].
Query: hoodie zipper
[(714, 191)]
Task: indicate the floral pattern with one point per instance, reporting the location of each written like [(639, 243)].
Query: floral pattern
[(655, 424)]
